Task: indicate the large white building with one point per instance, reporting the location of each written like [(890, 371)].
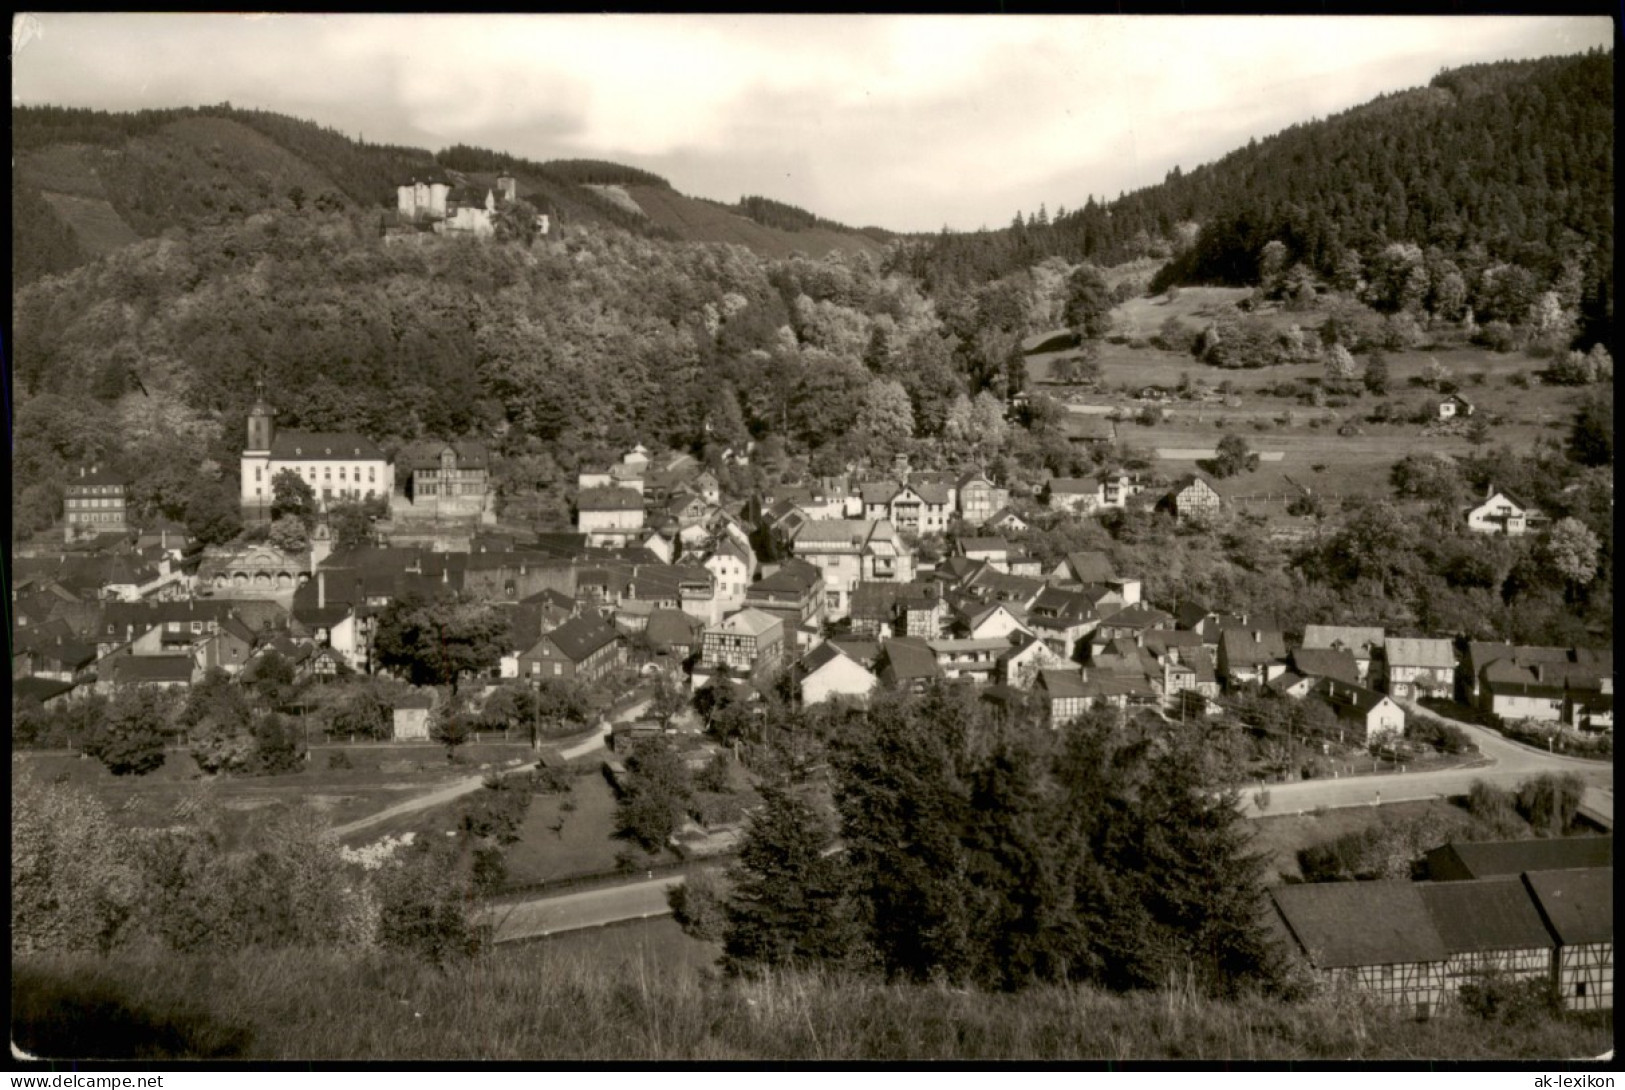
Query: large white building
[(338, 466)]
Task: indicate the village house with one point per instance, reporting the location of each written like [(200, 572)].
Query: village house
[(1454, 405), (1026, 656), (445, 476), (584, 649), (1251, 656), (994, 550), (733, 565), (1078, 568), (849, 552), (1365, 643), (1006, 520), (743, 643), (338, 466), (256, 570), (1325, 662), (1370, 717), (976, 661), (794, 594), (991, 622), (1063, 620), (1419, 667), (1133, 622), (94, 503), (827, 672), (672, 637), (1500, 513), (979, 498), (919, 509), (1490, 926), (145, 671), (908, 663), (610, 517)]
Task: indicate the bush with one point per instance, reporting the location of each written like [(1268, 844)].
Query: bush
[(1549, 802), (1497, 336), (339, 761), (1497, 997)]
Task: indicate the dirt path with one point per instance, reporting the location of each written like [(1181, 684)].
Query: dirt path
[(454, 791)]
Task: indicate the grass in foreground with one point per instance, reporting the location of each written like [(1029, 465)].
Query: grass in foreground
[(545, 1002)]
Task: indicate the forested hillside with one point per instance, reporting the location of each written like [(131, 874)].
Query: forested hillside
[(88, 182), (1499, 165)]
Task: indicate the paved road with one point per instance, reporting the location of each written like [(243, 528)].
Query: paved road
[(469, 785), (1508, 764), (574, 911)]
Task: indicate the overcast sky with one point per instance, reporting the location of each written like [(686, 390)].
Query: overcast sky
[(906, 122)]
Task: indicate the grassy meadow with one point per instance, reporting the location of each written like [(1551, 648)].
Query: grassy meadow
[(620, 996)]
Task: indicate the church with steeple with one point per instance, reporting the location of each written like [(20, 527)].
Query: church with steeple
[(339, 466)]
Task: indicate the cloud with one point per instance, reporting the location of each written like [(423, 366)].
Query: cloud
[(905, 121)]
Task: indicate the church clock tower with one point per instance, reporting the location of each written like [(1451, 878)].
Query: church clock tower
[(256, 466)]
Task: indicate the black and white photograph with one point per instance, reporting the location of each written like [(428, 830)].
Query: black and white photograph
[(743, 540)]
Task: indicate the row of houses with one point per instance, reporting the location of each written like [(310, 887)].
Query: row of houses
[(1518, 910)]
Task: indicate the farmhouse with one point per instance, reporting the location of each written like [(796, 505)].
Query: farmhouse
[(1489, 926), (1464, 860), (445, 476), (1251, 656), (1192, 496), (1376, 936), (1578, 908), (979, 498), (743, 642)]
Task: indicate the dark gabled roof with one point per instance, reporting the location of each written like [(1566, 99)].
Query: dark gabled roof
[(95, 476), (580, 637), (322, 446), (1488, 914), (1435, 654), (908, 660), (609, 499), (425, 454), (38, 689), (1139, 616), (1190, 614), (1325, 662), (819, 657), (795, 578), (932, 492), (1342, 924), (864, 652), (1578, 905), (1059, 603), (669, 628), (1251, 646), (1159, 641), (1060, 684), (1359, 640), (1344, 696), (968, 545), (1485, 859)]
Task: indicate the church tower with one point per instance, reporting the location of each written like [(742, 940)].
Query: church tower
[(259, 422), (256, 465)]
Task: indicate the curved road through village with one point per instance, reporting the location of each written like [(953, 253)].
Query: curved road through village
[(1506, 764)]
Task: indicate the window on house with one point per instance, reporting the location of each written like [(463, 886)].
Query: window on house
[(558, 669), (327, 473), (341, 473), (1580, 990)]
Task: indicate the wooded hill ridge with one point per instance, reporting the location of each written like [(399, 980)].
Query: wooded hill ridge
[(1508, 162), (88, 182)]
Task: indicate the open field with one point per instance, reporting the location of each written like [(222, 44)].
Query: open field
[(583, 844), (655, 941), (97, 227)]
